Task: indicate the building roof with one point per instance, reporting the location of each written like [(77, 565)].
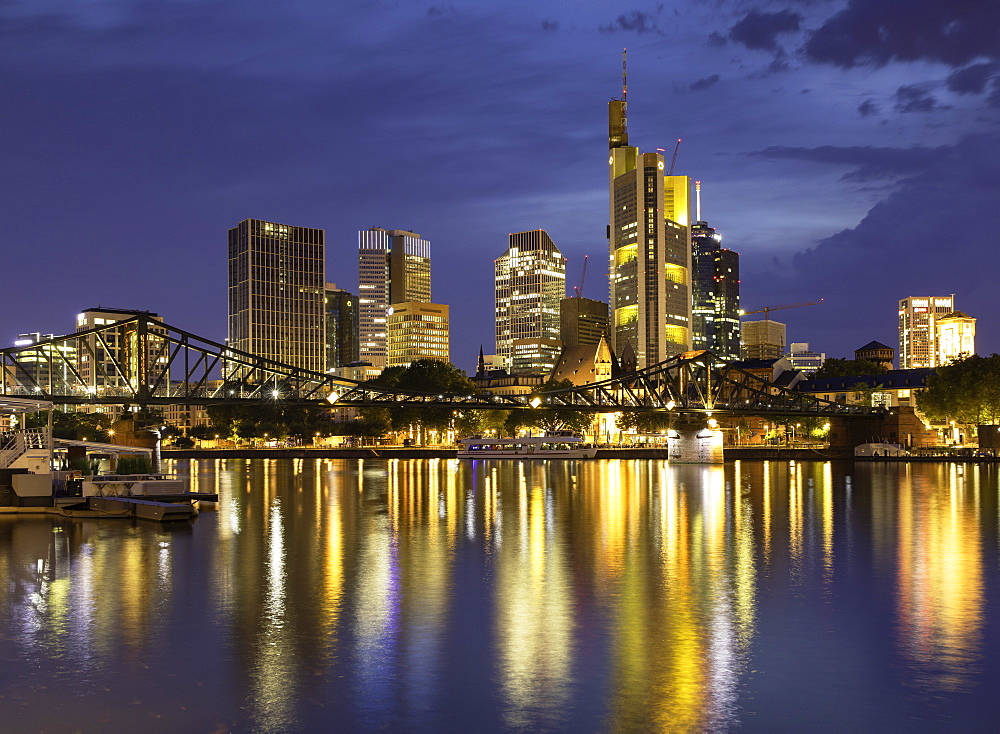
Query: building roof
[(579, 364), (871, 346), (102, 309), (955, 315), (893, 379)]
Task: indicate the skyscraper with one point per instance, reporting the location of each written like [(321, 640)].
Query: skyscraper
[(341, 327), (276, 304), (650, 249), (394, 266), (715, 282), (918, 317), (530, 279)]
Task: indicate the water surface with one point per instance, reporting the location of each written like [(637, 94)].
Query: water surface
[(504, 595)]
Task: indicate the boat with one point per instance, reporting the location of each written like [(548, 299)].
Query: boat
[(527, 447)]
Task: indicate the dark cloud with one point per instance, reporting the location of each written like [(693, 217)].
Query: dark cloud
[(972, 79), (877, 32), (911, 98), (867, 162), (550, 25), (896, 250), (760, 31), (716, 39), (635, 22), (705, 83), (868, 108)]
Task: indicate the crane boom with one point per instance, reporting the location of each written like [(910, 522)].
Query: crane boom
[(767, 309), (583, 275), (673, 161)]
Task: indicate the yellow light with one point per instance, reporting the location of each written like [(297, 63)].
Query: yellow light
[(535, 402), (333, 397)]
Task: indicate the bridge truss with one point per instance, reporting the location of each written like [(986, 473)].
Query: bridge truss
[(144, 362)]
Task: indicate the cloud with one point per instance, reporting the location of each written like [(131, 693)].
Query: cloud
[(911, 98), (705, 83), (972, 79), (760, 31), (876, 32), (635, 22), (896, 249), (868, 162), (550, 25), (868, 108)]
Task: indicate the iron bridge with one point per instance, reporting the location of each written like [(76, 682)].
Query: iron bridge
[(144, 362)]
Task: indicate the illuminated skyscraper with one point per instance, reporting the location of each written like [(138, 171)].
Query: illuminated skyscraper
[(394, 266), (918, 317), (276, 305), (530, 281), (650, 249), (715, 283)]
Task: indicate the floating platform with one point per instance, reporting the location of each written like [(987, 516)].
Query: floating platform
[(144, 509)]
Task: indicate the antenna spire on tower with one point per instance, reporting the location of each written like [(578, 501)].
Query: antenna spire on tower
[(625, 91), (697, 201)]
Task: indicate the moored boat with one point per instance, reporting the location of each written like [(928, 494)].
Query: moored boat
[(529, 447)]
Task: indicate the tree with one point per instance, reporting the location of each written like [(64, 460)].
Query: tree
[(423, 376), (836, 367), (643, 422), (966, 391)]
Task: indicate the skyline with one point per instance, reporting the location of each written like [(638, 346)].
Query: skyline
[(140, 132)]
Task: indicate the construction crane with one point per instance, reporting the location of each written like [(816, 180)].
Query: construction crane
[(767, 309), (578, 289), (673, 161)]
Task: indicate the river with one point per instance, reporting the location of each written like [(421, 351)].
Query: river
[(498, 595)]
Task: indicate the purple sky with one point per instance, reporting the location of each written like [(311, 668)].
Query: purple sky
[(848, 150)]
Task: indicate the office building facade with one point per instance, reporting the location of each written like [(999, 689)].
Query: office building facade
[(530, 282), (111, 362), (417, 330), (918, 317), (277, 275), (582, 321), (956, 337), (341, 327), (715, 283), (763, 339), (650, 249), (394, 266)]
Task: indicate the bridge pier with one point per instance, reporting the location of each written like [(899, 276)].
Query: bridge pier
[(693, 440)]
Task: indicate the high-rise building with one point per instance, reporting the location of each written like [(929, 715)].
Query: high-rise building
[(530, 279), (394, 266), (715, 283), (582, 321), (341, 327), (650, 249), (417, 330), (956, 337), (277, 275), (918, 317), (763, 339)]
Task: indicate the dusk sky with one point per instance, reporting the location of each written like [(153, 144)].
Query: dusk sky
[(848, 150)]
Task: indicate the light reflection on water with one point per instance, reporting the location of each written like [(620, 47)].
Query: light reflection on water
[(504, 595)]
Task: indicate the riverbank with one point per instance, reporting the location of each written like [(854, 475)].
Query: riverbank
[(732, 453)]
